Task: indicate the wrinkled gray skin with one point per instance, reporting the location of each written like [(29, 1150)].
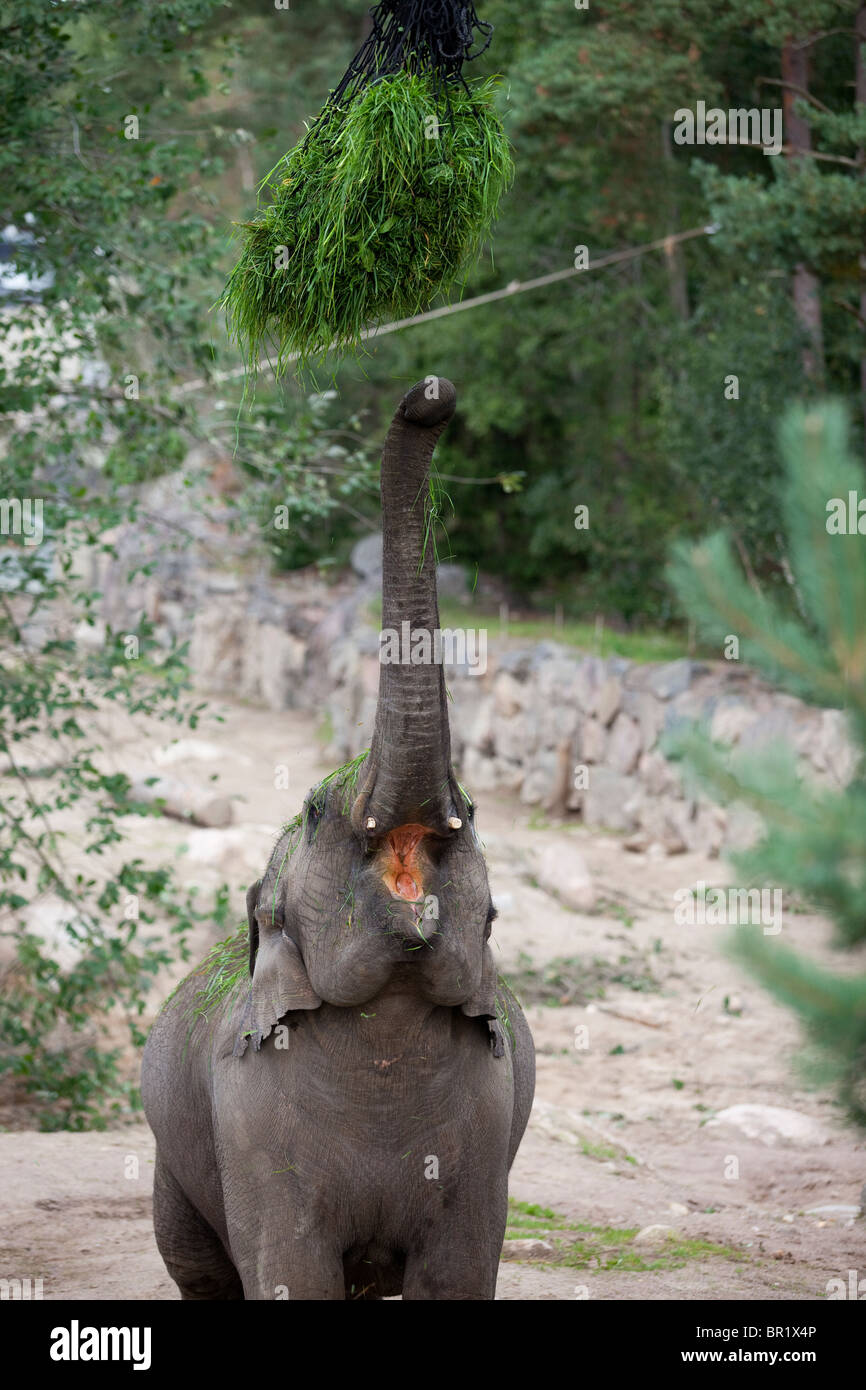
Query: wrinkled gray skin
[(361, 1149)]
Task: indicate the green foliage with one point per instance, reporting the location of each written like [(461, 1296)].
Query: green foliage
[(117, 252), (814, 838), (370, 218), (308, 481)]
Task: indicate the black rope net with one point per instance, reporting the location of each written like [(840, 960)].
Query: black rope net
[(431, 37)]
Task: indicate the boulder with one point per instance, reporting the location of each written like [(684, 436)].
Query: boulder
[(773, 1126), (671, 679), (624, 744), (648, 711), (608, 700), (606, 798), (366, 556), (655, 1237), (592, 741), (510, 695), (561, 871)]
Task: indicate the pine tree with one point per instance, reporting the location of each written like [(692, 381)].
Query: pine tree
[(814, 836)]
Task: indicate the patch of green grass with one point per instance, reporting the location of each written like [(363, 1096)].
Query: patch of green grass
[(580, 1245), (370, 218), (608, 907), (603, 1152), (646, 645), (605, 1247)]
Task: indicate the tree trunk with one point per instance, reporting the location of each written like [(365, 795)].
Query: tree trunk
[(806, 286), (860, 102), (677, 284)]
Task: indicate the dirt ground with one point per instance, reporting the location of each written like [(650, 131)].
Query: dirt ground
[(652, 1035)]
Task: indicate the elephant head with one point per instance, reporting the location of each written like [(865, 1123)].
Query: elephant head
[(381, 881)]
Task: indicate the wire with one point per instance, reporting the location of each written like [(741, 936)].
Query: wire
[(666, 244)]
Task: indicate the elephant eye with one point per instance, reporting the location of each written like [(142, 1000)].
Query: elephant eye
[(312, 814)]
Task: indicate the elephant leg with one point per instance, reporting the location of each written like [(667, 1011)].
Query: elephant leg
[(460, 1257), (446, 1273), (280, 1265), (193, 1253)]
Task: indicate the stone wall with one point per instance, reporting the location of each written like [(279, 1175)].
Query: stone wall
[(578, 735), (574, 734)]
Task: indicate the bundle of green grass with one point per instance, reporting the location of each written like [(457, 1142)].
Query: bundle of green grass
[(383, 205)]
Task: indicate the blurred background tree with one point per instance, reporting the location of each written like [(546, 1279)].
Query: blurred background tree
[(607, 390), (814, 838), (131, 137)]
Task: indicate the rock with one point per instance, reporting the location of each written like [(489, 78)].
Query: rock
[(49, 919), (667, 820), (216, 647), (511, 738), (539, 784), (220, 582), (560, 870), (509, 695), (835, 748), (517, 664), (678, 1209), (479, 730), (608, 700), (592, 741), (731, 718), (271, 666), (624, 745), (776, 726), (655, 1237), (671, 679), (589, 675), (657, 774), (183, 802), (451, 581), (744, 827), (835, 1212), (532, 1249), (184, 749), (638, 843), (773, 1126), (90, 636), (705, 831), (648, 711), (366, 556), (244, 846), (605, 799)]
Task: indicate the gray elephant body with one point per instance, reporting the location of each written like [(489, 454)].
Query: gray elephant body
[(341, 1124), (367, 1158)]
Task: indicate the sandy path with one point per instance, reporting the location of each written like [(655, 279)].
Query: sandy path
[(623, 1135)]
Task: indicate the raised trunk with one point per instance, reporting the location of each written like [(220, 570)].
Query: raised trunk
[(409, 779)]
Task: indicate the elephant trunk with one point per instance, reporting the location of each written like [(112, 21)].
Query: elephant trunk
[(409, 778)]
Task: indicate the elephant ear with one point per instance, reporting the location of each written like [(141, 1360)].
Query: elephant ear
[(482, 1004), (279, 977)]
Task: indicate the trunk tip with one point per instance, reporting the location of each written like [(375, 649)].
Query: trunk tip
[(430, 402)]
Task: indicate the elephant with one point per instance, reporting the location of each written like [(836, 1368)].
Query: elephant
[(338, 1121)]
